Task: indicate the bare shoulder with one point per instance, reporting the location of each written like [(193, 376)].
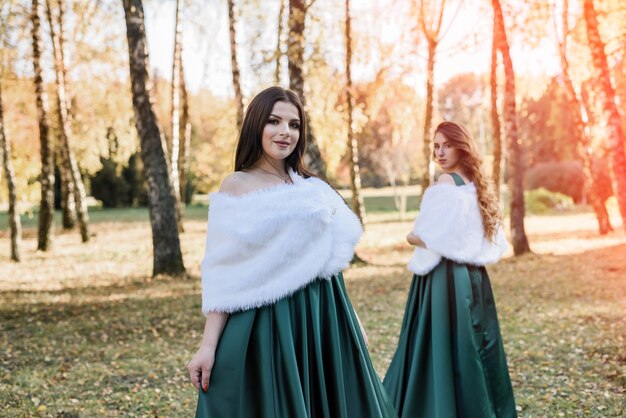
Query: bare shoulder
[(234, 183), (445, 179)]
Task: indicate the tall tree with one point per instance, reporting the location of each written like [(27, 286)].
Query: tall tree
[(495, 116), (46, 207), (65, 130), (232, 23), (353, 146), (430, 24), (175, 99), (295, 56), (516, 175), (616, 140), (167, 256), (583, 140), (68, 200), (14, 212), (185, 135), (279, 50)]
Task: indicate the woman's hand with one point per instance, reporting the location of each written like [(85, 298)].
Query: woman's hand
[(415, 240), (200, 367)]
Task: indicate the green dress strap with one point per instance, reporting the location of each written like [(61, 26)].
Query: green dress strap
[(458, 180)]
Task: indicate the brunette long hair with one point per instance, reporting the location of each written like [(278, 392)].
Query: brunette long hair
[(249, 143), (472, 164)]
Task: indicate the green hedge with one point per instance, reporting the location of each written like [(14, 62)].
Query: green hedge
[(543, 200)]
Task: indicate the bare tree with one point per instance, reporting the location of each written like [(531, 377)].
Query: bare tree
[(68, 201), (295, 55), (353, 146), (185, 135), (584, 142), (46, 178), (14, 213), (495, 117), (233, 61), (279, 50), (176, 82), (430, 24), (167, 256), (65, 130), (516, 186), (68, 189), (614, 124)]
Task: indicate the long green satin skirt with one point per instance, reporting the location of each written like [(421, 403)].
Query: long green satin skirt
[(450, 360), (301, 357)]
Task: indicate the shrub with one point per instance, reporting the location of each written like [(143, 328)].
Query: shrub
[(108, 186), (559, 176), (133, 174), (542, 200)]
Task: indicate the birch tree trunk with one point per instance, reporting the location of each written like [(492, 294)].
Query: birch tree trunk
[(46, 178), (279, 50), (185, 135), (175, 149), (65, 129), (614, 123), (516, 175), (583, 140), (353, 147), (295, 55), (431, 32), (167, 256), (68, 189), (15, 224), (495, 116), (232, 23)]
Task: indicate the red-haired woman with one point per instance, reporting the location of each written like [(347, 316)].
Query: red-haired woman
[(450, 360)]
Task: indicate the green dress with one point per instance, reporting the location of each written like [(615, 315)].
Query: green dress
[(300, 357), (450, 360)]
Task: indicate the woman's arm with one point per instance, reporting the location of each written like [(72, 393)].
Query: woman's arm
[(415, 240), (202, 363)]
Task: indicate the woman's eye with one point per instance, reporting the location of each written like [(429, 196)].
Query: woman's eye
[(273, 121), (295, 125)]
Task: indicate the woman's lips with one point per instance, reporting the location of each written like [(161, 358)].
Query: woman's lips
[(282, 144)]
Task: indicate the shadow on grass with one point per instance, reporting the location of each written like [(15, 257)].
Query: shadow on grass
[(121, 350), (137, 287), (118, 358)]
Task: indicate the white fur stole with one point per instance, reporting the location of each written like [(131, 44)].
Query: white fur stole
[(265, 245), (450, 225)]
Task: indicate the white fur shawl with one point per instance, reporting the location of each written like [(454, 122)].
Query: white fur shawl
[(265, 245), (450, 225)]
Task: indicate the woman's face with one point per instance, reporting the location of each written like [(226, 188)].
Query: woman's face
[(446, 155), (281, 132)]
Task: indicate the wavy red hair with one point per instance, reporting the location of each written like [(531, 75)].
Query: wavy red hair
[(472, 164)]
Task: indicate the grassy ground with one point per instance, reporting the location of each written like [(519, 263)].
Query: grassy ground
[(85, 331)]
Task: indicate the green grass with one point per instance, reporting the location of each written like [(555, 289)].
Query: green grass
[(381, 208), (101, 215), (384, 204), (117, 345)]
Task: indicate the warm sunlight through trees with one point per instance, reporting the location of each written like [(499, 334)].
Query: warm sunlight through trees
[(100, 137), (411, 66)]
